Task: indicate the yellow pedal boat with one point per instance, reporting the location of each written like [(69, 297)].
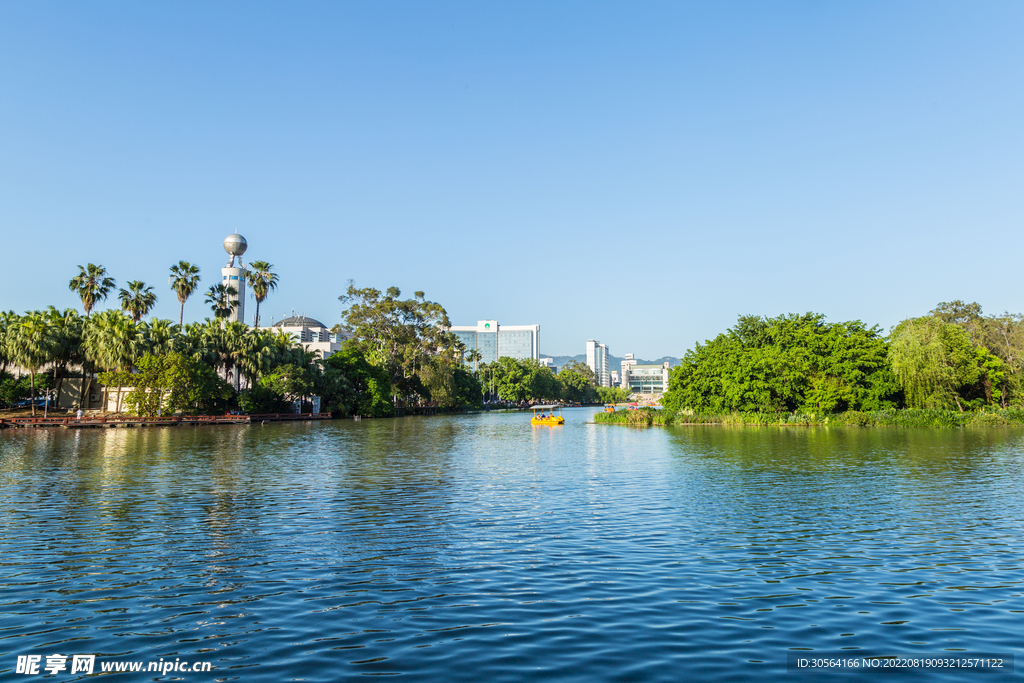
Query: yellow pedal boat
[(549, 419)]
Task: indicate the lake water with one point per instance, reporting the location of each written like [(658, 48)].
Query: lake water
[(477, 547)]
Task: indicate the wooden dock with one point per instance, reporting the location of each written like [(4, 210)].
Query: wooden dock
[(168, 421)]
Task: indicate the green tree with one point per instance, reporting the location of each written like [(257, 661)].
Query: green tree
[(263, 281), (399, 335), (222, 299), (1000, 335), (66, 329), (8, 319), (787, 363), (578, 382), (33, 346), (170, 382), (337, 393), (137, 300), (371, 384), (184, 281), (160, 336), (612, 394), (449, 384), (474, 356), (938, 366), (112, 341), (92, 285), (522, 379)]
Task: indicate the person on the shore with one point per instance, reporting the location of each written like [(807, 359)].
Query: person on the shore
[(78, 415)]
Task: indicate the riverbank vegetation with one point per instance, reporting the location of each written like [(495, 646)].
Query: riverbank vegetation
[(908, 417), (953, 367)]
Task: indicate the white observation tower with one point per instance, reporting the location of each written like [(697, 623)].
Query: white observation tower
[(234, 276)]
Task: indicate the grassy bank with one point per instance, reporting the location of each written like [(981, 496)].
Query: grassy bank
[(646, 417)]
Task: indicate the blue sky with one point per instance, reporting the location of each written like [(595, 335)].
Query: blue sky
[(638, 173)]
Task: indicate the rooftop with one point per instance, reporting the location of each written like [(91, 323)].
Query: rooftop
[(298, 321)]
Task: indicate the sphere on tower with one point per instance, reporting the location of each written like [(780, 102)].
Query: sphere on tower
[(235, 244)]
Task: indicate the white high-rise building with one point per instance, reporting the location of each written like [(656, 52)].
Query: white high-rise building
[(234, 276), (597, 359), (494, 341)]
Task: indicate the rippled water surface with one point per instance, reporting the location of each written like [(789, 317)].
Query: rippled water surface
[(475, 546)]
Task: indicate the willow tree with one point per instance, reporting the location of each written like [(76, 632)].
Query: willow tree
[(263, 281), (932, 361), (184, 281)]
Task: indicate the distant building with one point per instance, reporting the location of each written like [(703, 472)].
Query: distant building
[(627, 361), (549, 363), (644, 378), (597, 359), (615, 378), (312, 334), (494, 341)]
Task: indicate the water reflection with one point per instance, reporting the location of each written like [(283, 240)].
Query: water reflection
[(478, 546)]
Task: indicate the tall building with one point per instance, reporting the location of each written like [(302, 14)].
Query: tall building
[(597, 359), (232, 276), (494, 341)]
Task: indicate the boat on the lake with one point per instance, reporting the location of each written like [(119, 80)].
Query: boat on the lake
[(547, 418)]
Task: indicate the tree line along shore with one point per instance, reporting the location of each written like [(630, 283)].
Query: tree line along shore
[(953, 367), (399, 355)]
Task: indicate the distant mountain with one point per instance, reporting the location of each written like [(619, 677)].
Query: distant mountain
[(615, 362)]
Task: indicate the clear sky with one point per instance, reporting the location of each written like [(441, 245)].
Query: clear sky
[(638, 173)]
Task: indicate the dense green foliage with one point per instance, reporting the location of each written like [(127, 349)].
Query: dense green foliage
[(14, 390), (910, 417), (407, 339), (169, 383), (954, 359), (639, 417), (578, 383), (519, 379), (402, 336), (612, 394), (370, 384), (787, 363)]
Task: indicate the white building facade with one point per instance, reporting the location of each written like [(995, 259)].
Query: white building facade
[(597, 359), (312, 334), (643, 378), (494, 341)]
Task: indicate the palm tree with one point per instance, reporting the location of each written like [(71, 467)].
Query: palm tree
[(113, 341), (161, 336), (474, 357), (66, 327), (137, 300), (222, 299), (234, 344), (263, 281), (8, 319), (92, 285), (184, 281), (259, 355), (32, 347)]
